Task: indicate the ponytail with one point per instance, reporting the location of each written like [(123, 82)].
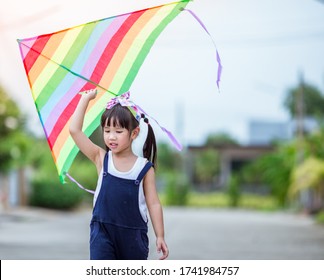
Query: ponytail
[(149, 148)]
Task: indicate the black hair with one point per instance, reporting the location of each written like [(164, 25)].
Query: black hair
[(121, 116)]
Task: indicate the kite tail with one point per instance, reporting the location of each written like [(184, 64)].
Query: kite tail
[(78, 184), (220, 67), (174, 140)]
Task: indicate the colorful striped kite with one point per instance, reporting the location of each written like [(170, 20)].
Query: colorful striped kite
[(105, 54)]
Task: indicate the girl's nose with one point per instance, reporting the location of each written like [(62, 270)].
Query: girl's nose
[(112, 135)]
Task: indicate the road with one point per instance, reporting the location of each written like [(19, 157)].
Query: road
[(191, 234)]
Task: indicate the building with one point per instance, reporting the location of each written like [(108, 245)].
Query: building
[(232, 158)]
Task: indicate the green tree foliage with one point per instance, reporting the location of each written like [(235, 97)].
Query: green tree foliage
[(206, 166), (313, 101), (47, 190), (312, 144), (233, 191), (168, 159), (176, 190), (14, 142), (273, 170), (309, 174), (220, 139), (170, 174), (285, 169)]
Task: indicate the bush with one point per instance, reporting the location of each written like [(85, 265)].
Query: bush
[(233, 191), (320, 217), (208, 199), (50, 193), (47, 190), (220, 200), (176, 191)]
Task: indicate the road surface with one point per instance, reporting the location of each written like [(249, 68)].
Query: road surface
[(191, 234)]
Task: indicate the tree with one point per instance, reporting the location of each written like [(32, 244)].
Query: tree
[(273, 170), (11, 126), (309, 175), (206, 166), (168, 159), (219, 139), (313, 101)]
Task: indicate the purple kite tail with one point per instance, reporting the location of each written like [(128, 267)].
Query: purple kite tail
[(220, 67), (174, 140)]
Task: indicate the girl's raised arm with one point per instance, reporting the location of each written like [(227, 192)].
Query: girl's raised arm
[(86, 146)]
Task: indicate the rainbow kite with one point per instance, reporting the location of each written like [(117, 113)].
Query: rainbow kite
[(105, 54)]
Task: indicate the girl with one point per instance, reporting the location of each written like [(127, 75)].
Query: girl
[(126, 184)]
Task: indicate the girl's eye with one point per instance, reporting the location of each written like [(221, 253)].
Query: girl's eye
[(119, 131)]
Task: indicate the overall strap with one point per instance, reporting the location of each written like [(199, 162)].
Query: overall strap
[(105, 165), (143, 172)]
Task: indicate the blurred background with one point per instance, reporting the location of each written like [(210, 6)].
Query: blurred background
[(256, 144)]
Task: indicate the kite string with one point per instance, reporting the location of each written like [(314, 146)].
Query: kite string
[(78, 184), (220, 67), (69, 70)]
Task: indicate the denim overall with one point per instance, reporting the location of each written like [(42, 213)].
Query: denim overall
[(117, 229)]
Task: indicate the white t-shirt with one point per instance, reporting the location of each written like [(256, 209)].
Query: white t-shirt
[(132, 174)]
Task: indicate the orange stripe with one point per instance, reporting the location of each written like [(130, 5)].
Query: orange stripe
[(48, 51)]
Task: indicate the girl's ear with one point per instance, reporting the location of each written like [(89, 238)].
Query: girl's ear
[(135, 132)]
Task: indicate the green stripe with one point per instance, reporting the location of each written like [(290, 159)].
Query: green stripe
[(69, 160), (69, 59), (148, 45)]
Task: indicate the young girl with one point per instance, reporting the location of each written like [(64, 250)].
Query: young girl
[(126, 185)]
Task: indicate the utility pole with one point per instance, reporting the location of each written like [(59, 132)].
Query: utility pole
[(180, 128), (304, 197), (300, 113)]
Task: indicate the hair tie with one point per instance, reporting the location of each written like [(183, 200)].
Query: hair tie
[(139, 113)]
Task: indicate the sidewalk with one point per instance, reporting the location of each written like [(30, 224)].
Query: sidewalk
[(28, 233)]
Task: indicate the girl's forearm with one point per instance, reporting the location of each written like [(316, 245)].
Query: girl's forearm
[(78, 116), (86, 146), (156, 215)]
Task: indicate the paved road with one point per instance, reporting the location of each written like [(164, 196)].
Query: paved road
[(191, 234)]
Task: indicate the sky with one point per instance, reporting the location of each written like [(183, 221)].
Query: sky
[(264, 47)]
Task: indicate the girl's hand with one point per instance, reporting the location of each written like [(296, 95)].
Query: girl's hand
[(161, 246), (89, 94)]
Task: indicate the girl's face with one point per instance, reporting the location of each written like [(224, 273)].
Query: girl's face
[(118, 139)]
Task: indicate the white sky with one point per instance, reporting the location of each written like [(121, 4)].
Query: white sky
[(263, 46)]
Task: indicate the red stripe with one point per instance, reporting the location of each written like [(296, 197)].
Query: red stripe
[(99, 70), (32, 56), (63, 119), (113, 45)]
